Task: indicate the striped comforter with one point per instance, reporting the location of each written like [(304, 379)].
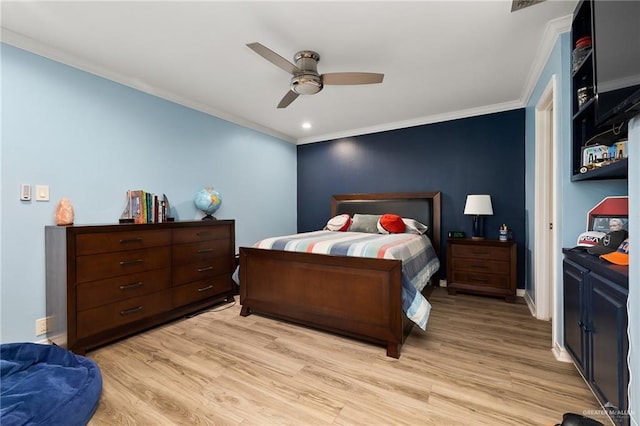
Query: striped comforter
[(419, 260)]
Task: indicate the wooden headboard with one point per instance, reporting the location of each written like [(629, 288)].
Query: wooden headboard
[(421, 206)]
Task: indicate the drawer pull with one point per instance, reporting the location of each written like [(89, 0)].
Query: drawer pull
[(209, 287), (206, 268), (205, 250), (203, 234), (131, 311), (479, 252), (480, 266), (479, 280), (130, 262), (131, 240), (131, 286)]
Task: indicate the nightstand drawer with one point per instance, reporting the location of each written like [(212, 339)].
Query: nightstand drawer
[(484, 280), (481, 252), (480, 265)]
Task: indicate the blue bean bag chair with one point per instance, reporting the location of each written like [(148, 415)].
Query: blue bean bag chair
[(46, 385)]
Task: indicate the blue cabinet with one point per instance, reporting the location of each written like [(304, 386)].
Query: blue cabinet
[(595, 327), (576, 337), (609, 372)]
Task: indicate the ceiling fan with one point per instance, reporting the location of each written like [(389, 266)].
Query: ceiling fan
[(306, 80)]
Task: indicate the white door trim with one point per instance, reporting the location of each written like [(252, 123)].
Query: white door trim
[(544, 253)]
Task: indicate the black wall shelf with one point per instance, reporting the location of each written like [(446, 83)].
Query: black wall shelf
[(585, 132)]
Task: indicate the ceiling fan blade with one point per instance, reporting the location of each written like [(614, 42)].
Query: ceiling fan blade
[(287, 99), (336, 78), (274, 58)]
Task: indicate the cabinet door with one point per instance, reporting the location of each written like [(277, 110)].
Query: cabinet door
[(575, 335), (610, 342)]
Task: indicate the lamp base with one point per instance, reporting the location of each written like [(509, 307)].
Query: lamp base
[(478, 228)]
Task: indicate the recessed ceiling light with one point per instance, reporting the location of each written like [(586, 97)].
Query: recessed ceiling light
[(306, 125)]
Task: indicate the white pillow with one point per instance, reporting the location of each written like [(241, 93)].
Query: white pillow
[(340, 223)]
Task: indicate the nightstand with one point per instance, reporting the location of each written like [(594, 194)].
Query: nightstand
[(482, 266)]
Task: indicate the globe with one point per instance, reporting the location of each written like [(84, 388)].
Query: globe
[(208, 200)]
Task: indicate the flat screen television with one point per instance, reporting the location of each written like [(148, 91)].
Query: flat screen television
[(616, 49)]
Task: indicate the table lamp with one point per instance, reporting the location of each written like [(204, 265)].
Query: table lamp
[(478, 206)]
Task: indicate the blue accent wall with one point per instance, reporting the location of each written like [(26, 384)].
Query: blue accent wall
[(477, 155)]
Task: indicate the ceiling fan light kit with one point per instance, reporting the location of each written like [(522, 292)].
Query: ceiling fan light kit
[(306, 80)]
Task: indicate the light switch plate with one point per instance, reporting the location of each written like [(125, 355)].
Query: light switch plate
[(42, 192), (25, 192)]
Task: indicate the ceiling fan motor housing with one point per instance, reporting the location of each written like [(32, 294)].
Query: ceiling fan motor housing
[(308, 82)]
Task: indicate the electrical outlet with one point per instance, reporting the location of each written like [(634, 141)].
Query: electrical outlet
[(443, 283), (42, 326)]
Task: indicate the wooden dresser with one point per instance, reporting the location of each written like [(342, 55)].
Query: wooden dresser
[(110, 281), (482, 267)]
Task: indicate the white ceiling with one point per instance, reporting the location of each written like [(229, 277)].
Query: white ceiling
[(441, 59)]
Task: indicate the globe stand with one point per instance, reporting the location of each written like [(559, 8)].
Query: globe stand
[(209, 217)]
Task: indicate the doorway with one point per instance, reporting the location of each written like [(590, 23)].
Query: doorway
[(541, 298)]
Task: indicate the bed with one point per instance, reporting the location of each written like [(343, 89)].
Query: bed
[(360, 297)]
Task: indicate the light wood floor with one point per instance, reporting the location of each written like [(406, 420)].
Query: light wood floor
[(481, 362)]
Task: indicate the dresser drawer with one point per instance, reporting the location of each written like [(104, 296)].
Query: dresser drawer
[(105, 317), (480, 265), (103, 292), (481, 252), (199, 290), (100, 266), (190, 235), (482, 280), (204, 269), (195, 252), (104, 242)]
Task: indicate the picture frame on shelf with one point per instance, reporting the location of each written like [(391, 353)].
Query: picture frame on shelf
[(609, 223)]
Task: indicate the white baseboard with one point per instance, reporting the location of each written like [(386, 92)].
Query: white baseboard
[(561, 354)]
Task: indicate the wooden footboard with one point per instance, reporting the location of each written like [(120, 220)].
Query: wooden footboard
[(357, 297)]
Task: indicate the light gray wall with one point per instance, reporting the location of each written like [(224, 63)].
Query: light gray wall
[(91, 140)]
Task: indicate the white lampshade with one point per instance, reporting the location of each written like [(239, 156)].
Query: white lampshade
[(478, 205)]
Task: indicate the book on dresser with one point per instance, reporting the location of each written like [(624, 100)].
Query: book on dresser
[(106, 282), (145, 207)]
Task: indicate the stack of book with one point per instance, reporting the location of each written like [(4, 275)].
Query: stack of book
[(145, 207)]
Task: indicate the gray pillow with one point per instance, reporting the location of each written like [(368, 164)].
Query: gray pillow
[(414, 227), (365, 223)]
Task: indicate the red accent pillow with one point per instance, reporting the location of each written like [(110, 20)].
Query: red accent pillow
[(342, 222), (391, 224)]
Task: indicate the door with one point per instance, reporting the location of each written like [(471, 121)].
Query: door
[(544, 254)]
